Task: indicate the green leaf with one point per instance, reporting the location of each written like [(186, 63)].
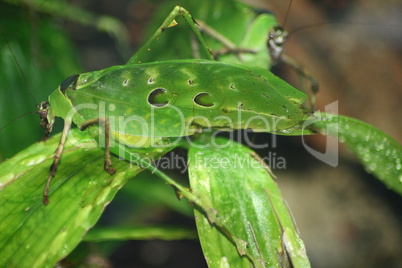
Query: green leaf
[(34, 235), (230, 178), (379, 153), (139, 233)]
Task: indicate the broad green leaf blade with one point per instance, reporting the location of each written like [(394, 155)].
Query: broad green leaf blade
[(34, 235), (379, 153), (230, 178), (139, 233)]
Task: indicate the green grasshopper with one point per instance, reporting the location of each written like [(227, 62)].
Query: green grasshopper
[(176, 98)]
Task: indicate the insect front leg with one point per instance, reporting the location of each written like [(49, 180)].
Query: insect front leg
[(105, 121), (229, 46), (56, 158), (276, 40), (305, 74)]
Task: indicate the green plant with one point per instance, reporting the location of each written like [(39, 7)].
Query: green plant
[(81, 213)]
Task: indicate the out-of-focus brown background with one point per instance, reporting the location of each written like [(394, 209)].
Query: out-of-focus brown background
[(346, 217), (345, 221), (356, 59)]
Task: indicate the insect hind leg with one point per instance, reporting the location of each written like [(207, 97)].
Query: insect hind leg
[(168, 23), (102, 121)]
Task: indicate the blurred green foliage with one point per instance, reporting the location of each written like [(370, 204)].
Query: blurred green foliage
[(45, 56), (35, 45)]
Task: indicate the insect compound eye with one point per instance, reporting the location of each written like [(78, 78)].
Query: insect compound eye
[(155, 98), (44, 105), (204, 100), (69, 82), (43, 109)]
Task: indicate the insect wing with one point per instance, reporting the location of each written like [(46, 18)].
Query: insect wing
[(179, 98)]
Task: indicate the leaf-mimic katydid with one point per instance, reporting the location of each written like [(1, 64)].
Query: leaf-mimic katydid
[(157, 101), (150, 103)]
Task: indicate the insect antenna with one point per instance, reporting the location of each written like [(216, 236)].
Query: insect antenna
[(320, 24), (287, 14), (16, 118), (6, 43)]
